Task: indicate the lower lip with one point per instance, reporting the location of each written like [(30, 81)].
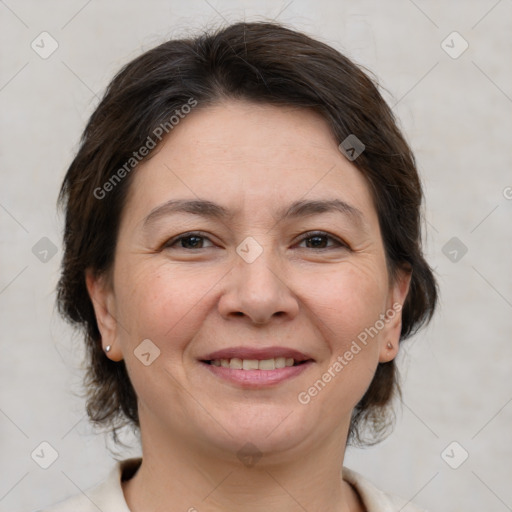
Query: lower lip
[(257, 378)]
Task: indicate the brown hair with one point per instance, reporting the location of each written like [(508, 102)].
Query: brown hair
[(260, 62)]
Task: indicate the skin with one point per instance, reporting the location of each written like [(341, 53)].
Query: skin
[(197, 296)]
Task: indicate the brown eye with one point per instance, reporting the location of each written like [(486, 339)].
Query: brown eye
[(187, 241), (320, 240)]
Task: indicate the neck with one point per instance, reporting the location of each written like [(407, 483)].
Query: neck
[(177, 476)]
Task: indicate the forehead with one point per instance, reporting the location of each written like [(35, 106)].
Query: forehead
[(248, 156)]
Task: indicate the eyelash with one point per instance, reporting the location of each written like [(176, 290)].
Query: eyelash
[(306, 236)]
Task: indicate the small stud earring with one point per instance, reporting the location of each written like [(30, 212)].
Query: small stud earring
[(107, 348), (389, 345)]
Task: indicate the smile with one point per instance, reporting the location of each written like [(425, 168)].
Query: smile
[(254, 373), (254, 364)]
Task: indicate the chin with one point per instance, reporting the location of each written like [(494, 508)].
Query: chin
[(262, 429)]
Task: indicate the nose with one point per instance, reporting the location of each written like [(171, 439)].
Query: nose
[(258, 292)]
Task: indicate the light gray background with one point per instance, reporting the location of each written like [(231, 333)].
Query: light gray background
[(456, 113)]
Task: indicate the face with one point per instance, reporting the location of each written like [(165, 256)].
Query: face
[(278, 259)]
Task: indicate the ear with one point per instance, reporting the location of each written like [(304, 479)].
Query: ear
[(103, 301), (390, 338)]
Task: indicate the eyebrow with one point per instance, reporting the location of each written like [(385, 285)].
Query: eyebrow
[(298, 209)]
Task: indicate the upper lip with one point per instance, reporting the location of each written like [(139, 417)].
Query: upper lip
[(256, 353)]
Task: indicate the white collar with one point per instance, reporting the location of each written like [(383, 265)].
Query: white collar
[(108, 495)]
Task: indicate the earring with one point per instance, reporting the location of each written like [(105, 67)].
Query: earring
[(389, 345), (107, 348)]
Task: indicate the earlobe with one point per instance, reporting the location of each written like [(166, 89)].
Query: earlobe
[(388, 352), (103, 301), (391, 337)]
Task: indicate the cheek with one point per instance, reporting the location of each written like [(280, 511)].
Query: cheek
[(160, 303), (350, 301), (347, 310)]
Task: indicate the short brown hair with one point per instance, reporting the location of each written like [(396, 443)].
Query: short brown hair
[(264, 63)]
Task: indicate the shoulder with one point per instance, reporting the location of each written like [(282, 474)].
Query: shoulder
[(106, 495), (376, 500)]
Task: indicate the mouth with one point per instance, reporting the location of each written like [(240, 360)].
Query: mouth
[(274, 363), (256, 368)]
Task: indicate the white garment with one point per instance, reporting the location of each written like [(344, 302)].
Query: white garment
[(108, 495)]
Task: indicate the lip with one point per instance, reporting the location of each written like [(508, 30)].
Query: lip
[(256, 353), (254, 379), (257, 378)]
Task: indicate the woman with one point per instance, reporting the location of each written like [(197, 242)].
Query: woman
[(243, 252)]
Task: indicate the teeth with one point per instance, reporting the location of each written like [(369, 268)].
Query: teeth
[(254, 364), (267, 364), (280, 362), (236, 363), (250, 364)]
